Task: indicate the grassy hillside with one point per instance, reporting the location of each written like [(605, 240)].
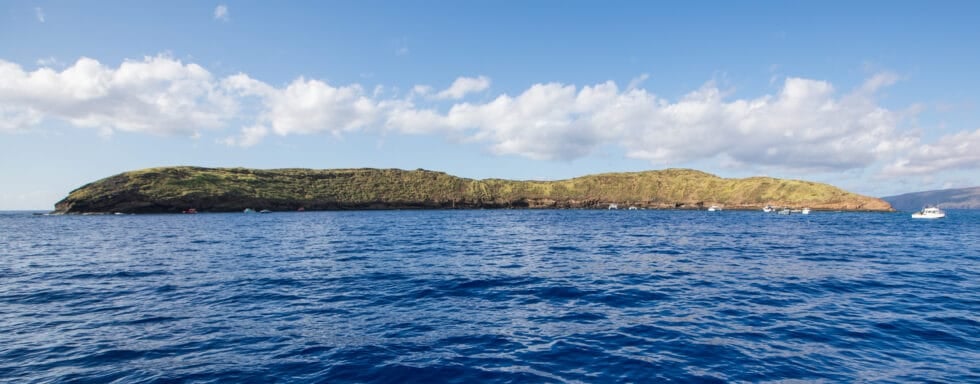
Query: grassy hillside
[(173, 189)]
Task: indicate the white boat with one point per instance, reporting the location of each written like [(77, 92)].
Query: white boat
[(714, 208), (249, 210), (633, 208), (929, 213), (768, 209), (613, 206), (784, 211), (805, 211)]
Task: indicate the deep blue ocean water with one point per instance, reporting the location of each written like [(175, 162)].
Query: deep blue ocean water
[(490, 296)]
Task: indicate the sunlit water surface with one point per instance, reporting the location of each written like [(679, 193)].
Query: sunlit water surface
[(506, 296)]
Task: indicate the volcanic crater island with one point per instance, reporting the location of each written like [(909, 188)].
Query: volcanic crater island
[(197, 189)]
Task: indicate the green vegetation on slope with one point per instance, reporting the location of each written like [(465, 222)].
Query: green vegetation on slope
[(173, 189)]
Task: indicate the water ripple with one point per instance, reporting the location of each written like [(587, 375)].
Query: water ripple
[(490, 296)]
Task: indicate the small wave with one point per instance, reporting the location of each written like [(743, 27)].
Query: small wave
[(153, 320), (570, 318), (564, 249), (490, 296), (626, 298), (119, 275), (560, 293)]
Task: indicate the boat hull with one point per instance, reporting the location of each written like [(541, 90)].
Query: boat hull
[(928, 216)]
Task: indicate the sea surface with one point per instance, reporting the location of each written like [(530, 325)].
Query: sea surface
[(490, 296)]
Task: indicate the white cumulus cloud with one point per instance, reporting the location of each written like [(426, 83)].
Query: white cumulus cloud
[(951, 152), (39, 14), (804, 124), (546, 121), (463, 86), (310, 106), (249, 136), (157, 95), (14, 119)]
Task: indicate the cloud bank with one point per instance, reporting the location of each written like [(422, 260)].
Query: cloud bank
[(959, 151), (156, 95), (806, 124)]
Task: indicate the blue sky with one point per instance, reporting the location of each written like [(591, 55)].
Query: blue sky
[(876, 97)]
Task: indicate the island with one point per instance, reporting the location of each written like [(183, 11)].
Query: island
[(955, 198), (197, 189)]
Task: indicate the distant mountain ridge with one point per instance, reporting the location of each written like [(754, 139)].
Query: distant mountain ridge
[(957, 198), (175, 189)]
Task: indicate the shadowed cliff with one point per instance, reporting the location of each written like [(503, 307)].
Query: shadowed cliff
[(174, 189), (959, 198)]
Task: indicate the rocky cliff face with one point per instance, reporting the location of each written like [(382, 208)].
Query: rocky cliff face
[(175, 189)]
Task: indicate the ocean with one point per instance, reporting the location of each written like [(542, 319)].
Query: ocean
[(490, 296)]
